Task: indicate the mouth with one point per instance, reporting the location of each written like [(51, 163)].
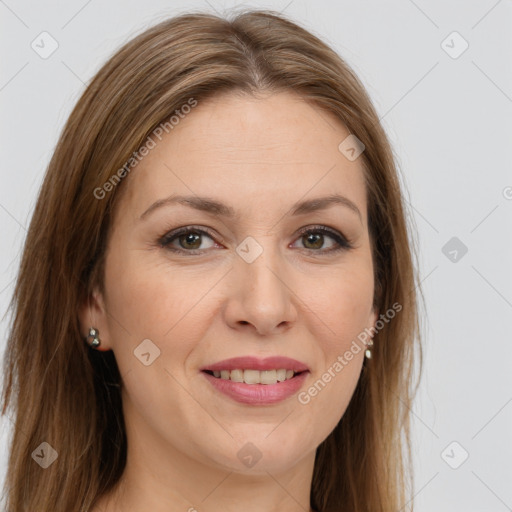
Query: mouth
[(254, 392), (255, 381), (250, 376)]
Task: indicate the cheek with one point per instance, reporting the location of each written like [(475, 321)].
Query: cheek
[(342, 310), (343, 304), (331, 386), (151, 299)]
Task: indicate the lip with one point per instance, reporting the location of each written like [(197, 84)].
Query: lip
[(256, 363), (257, 394)]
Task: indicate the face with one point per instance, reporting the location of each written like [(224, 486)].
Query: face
[(190, 284)]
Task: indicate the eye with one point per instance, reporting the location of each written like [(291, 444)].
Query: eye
[(188, 239), (314, 237)]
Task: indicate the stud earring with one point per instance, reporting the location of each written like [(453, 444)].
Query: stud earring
[(92, 338), (368, 351)]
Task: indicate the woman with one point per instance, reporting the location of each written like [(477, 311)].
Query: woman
[(222, 224)]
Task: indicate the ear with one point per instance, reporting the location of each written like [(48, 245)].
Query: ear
[(92, 313)]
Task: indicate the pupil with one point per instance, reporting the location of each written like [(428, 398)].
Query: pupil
[(318, 237), (191, 237)]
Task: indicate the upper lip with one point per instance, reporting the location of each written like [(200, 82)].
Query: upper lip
[(256, 363)]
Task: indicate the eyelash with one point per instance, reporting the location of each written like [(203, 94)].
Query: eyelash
[(167, 238)]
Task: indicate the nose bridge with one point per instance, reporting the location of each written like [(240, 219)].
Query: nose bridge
[(259, 263), (263, 298)]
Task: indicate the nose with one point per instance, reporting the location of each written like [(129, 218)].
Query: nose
[(259, 296)]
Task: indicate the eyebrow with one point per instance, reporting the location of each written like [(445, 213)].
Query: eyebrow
[(210, 205)]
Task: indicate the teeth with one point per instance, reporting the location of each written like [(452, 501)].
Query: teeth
[(255, 376), (236, 375), (252, 376)]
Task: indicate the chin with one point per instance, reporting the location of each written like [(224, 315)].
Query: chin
[(270, 451)]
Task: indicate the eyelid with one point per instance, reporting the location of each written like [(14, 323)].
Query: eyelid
[(332, 232), (164, 240)]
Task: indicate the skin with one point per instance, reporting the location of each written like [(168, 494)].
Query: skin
[(259, 156)]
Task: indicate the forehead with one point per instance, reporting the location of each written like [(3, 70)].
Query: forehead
[(276, 148)]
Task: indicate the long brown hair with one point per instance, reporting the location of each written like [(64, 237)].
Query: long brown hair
[(67, 395)]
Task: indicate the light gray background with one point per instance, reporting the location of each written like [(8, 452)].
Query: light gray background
[(450, 122)]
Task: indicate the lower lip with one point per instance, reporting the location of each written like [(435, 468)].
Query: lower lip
[(258, 394)]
